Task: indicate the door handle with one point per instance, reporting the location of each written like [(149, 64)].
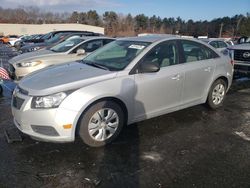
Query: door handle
[(208, 69), (176, 77)]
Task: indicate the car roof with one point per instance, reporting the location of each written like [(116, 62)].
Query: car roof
[(150, 38), (94, 37), (87, 33), (212, 39)]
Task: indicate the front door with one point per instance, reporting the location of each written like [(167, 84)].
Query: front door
[(157, 93)]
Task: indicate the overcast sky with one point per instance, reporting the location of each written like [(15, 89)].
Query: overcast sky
[(186, 9)]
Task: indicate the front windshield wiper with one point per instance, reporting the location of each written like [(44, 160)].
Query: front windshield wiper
[(95, 65)]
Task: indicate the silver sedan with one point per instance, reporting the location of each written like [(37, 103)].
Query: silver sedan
[(73, 49), (126, 81)]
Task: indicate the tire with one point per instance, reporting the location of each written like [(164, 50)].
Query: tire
[(217, 94), (17, 45), (95, 124)]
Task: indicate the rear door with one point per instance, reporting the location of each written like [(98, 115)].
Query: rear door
[(199, 65)]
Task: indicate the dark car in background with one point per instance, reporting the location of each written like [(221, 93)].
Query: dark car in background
[(29, 39), (51, 42), (49, 36), (36, 46)]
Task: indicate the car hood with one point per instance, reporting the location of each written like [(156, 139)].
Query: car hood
[(27, 48), (63, 77), (245, 46), (33, 45), (31, 55)]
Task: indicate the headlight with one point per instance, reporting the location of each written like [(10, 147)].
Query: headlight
[(50, 101), (29, 64)]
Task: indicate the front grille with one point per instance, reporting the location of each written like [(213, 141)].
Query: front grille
[(17, 102), (239, 55), (242, 69), (45, 130)]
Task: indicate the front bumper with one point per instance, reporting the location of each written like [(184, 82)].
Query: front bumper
[(242, 67), (42, 124)]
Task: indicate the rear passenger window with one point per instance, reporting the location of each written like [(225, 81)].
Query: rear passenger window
[(194, 51), (164, 54)]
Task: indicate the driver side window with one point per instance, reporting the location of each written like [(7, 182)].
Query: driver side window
[(164, 54)]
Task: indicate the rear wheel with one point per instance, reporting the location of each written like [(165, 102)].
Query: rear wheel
[(217, 94), (101, 123)]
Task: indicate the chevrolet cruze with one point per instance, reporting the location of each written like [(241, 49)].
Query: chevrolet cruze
[(126, 81)]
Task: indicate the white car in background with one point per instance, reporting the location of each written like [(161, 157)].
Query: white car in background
[(218, 43), (70, 50), (14, 40)]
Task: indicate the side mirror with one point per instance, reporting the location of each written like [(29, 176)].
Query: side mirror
[(80, 52), (149, 67)]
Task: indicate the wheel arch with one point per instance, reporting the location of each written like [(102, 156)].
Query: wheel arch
[(224, 78), (113, 99)]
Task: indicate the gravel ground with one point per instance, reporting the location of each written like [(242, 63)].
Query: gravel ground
[(195, 147)]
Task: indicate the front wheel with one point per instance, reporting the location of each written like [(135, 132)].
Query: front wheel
[(217, 94), (101, 123)]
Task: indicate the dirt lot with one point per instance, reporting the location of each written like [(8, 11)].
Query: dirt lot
[(195, 147)]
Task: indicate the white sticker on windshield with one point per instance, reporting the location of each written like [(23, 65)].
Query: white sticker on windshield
[(138, 47)]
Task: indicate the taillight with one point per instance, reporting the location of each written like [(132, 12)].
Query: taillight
[(232, 62)]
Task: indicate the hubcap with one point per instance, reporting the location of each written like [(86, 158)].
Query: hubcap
[(103, 124), (218, 94)]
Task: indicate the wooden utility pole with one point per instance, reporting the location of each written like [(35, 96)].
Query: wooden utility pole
[(221, 27), (237, 27)]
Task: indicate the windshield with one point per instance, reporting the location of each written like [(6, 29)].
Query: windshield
[(56, 38), (46, 36), (66, 45), (116, 55)]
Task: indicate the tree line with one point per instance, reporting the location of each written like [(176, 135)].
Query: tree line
[(127, 25)]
